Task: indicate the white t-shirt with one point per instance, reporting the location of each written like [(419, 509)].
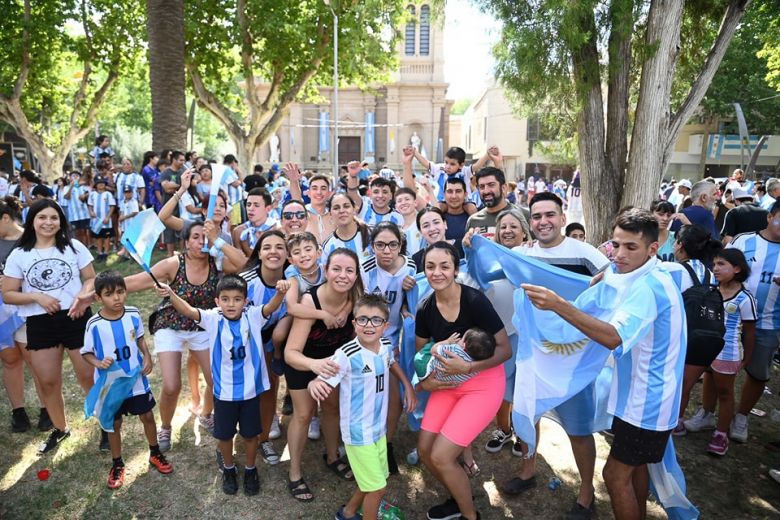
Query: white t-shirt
[(48, 271), (572, 255)]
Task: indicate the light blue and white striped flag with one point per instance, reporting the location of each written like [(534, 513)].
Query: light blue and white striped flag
[(10, 321), (141, 235), (112, 387), (217, 173)]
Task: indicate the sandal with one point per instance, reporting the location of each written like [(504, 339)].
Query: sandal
[(340, 467), (299, 489), (472, 470)]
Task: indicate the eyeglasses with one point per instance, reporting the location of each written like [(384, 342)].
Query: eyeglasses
[(289, 215), (375, 321), (392, 246)]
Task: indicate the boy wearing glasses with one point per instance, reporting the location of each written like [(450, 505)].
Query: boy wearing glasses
[(365, 364), (258, 204)]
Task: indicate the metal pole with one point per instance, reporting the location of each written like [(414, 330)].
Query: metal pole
[(335, 95)]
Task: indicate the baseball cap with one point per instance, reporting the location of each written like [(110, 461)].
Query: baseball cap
[(740, 193), (685, 183), (99, 180)]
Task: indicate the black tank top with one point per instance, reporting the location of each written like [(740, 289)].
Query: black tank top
[(322, 341)]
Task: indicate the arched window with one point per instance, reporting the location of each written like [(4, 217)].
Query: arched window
[(411, 31), (425, 30)]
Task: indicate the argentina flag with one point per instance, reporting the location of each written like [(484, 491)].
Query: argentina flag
[(141, 235), (217, 174), (10, 321), (414, 296), (112, 387)]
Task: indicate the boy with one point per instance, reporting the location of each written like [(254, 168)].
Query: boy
[(128, 208), (406, 205), (238, 370), (363, 403), (116, 335), (258, 203), (101, 207), (376, 208)]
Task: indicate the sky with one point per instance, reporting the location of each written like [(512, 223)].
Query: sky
[(469, 35)]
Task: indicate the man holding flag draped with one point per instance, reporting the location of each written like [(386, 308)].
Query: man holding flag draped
[(646, 332)]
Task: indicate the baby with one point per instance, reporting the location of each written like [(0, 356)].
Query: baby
[(475, 345)]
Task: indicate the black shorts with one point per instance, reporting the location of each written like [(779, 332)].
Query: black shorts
[(52, 330), (297, 379), (80, 224), (636, 446), (245, 414), (104, 233), (136, 405), (702, 355)]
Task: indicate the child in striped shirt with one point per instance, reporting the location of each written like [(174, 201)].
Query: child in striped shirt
[(475, 345), (101, 207)]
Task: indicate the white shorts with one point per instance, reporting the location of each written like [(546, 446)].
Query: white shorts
[(168, 340)]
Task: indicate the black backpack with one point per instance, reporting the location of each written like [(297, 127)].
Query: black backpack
[(704, 311)]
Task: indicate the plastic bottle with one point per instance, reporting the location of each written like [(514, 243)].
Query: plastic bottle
[(554, 483), (413, 457), (388, 511)]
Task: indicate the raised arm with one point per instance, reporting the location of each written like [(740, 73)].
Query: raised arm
[(408, 175), (166, 213), (182, 307), (425, 163), (293, 174), (353, 169)]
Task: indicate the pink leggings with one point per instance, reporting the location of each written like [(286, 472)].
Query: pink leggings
[(460, 414)]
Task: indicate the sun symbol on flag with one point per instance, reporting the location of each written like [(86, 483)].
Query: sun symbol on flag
[(564, 349)]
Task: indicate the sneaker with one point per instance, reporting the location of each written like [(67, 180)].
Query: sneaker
[(701, 420), (314, 429), (287, 406), (580, 512), (341, 516), (270, 456), (164, 439), (517, 448), (207, 423), (20, 421), (392, 465), (719, 444), (116, 477), (230, 481), (680, 430), (739, 428), (220, 462), (104, 444), (775, 474), (498, 439), (55, 438), (160, 463), (445, 511), (44, 421), (275, 432), (251, 482)]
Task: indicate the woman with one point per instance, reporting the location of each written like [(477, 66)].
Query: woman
[(50, 277), (663, 212), (193, 275), (454, 416), (13, 353), (294, 217), (431, 223), (309, 347), (349, 232)]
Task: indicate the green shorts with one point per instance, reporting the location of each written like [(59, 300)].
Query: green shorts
[(369, 465)]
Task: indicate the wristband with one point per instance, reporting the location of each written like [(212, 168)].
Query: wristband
[(219, 243)]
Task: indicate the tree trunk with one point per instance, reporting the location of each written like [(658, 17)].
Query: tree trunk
[(165, 26)]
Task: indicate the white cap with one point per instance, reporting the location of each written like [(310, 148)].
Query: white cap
[(685, 183), (740, 193)]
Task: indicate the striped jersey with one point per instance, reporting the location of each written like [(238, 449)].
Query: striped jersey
[(364, 377), (647, 380), (414, 239), (449, 350), (763, 257), (258, 294), (118, 339), (235, 193), (77, 209), (134, 180), (739, 308), (354, 244), (681, 276), (372, 218), (388, 285), (237, 361), (441, 177), (127, 207), (101, 203)]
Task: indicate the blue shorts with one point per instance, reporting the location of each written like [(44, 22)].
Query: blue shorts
[(245, 414), (767, 342), (136, 405)]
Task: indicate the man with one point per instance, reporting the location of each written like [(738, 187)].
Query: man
[(704, 194), (553, 248), (256, 180), (746, 217), (772, 193), (258, 203), (170, 180), (190, 160), (647, 335), (376, 208), (683, 191), (319, 222), (491, 184), (762, 251), (455, 215)]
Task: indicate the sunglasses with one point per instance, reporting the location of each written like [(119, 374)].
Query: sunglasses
[(289, 215)]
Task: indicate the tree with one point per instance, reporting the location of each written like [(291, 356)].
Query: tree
[(631, 50), (235, 46), (54, 80), (768, 11)]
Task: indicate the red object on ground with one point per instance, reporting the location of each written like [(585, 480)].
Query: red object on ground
[(44, 474)]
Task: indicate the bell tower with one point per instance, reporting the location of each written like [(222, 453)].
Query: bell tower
[(422, 48)]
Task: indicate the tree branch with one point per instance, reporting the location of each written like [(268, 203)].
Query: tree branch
[(210, 102), (247, 64), (24, 71), (81, 95), (728, 27)]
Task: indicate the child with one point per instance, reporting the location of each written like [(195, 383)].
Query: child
[(731, 270), (376, 208), (363, 403), (238, 370), (128, 208), (475, 345), (101, 207), (116, 335)]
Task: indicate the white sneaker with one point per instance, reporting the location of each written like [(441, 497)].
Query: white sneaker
[(701, 420), (314, 428), (275, 431), (270, 456), (739, 428)]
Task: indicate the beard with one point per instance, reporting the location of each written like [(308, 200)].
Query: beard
[(493, 202)]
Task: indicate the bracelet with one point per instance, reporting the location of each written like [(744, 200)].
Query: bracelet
[(176, 194), (219, 243)]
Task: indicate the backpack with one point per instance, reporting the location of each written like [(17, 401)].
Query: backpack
[(704, 311)]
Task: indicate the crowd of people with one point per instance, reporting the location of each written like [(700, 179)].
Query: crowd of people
[(301, 276)]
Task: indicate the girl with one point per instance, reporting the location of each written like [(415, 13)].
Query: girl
[(731, 270), (349, 232), (663, 212), (76, 194), (390, 273), (307, 353), (431, 223), (49, 276)]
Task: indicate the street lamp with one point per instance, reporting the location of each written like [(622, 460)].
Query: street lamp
[(335, 90)]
